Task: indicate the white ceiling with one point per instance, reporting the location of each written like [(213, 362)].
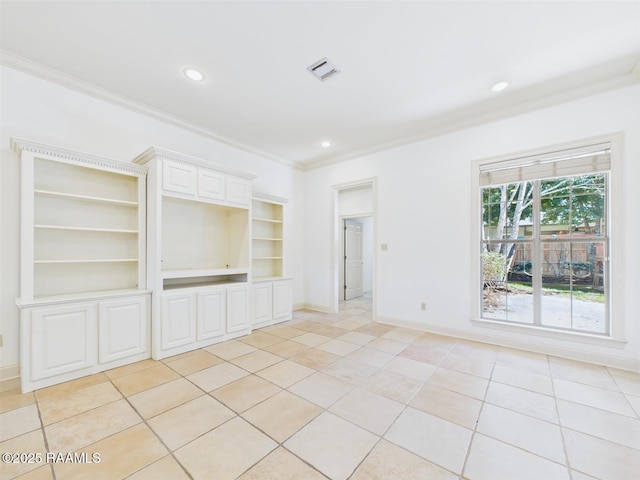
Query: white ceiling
[(409, 70)]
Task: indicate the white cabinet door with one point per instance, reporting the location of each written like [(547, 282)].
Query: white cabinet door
[(63, 339), (179, 177), (238, 190), (237, 308), (261, 303), (178, 319), (211, 185), (211, 313), (123, 328), (282, 307)]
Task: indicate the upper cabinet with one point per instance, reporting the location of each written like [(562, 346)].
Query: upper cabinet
[(199, 181)]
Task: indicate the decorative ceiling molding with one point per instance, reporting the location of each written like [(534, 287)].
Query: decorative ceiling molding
[(156, 152), (476, 115), (55, 76), (40, 149), (515, 103)]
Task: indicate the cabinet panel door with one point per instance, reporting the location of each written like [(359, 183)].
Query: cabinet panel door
[(237, 308), (179, 177), (178, 319), (211, 313), (238, 190), (211, 185), (261, 303), (123, 328), (62, 339), (282, 299)]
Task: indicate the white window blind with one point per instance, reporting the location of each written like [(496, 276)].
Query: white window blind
[(577, 161)]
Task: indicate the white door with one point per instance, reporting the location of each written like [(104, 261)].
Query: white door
[(261, 297), (352, 259), (62, 339), (237, 308), (211, 184), (211, 313), (178, 319), (179, 177), (238, 190), (123, 328), (282, 300)]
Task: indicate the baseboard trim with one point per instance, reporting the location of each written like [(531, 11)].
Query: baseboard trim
[(298, 306), (521, 344), (9, 377), (318, 308)]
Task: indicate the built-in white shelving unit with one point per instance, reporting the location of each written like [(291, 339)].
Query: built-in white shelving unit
[(83, 298), (271, 289), (199, 247)]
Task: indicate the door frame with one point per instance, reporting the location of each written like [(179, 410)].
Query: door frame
[(337, 233)]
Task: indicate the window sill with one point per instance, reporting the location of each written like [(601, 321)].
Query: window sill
[(576, 337)]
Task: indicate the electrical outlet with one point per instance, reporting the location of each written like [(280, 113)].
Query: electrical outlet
[(384, 246), (423, 306), (1, 343)]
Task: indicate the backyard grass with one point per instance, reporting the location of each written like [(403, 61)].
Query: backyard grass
[(580, 292)]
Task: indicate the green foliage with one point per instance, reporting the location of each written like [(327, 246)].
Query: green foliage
[(576, 201), (493, 268)]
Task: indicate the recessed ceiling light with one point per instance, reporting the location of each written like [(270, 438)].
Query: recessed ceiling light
[(193, 74), (498, 87), (325, 144)]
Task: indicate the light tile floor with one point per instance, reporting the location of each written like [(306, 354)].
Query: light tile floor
[(335, 396)]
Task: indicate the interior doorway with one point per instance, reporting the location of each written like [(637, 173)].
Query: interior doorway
[(354, 237)]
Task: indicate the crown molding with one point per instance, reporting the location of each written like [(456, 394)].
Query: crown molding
[(520, 103), (152, 153), (270, 198), (59, 78), (524, 101), (19, 146)]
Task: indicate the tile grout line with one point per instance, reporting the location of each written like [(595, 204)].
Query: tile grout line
[(44, 435), (475, 427), (555, 402), (144, 421), (355, 386)]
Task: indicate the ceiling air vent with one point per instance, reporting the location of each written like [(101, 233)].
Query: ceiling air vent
[(323, 69)]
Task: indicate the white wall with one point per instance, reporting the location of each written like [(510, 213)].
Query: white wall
[(41, 111), (367, 254), (423, 207), (353, 202)]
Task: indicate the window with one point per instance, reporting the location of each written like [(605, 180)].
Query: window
[(545, 240)]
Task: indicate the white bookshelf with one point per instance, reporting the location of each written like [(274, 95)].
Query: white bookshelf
[(271, 289), (83, 297), (82, 223), (267, 237)]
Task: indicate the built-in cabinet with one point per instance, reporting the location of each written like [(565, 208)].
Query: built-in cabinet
[(123, 261), (199, 259), (83, 299), (271, 289)]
